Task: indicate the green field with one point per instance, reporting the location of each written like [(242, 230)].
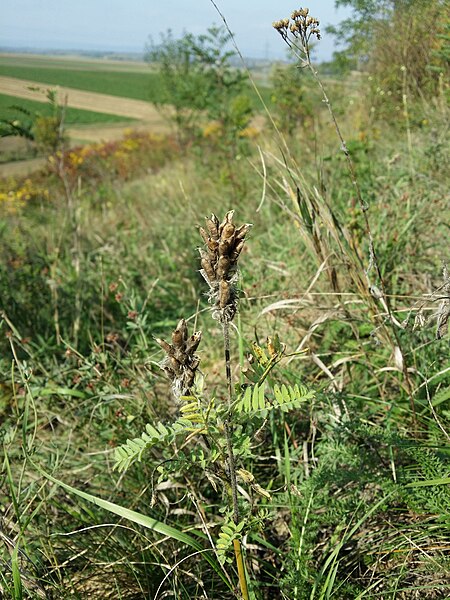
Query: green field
[(74, 116), (139, 86), (126, 80), (39, 61)]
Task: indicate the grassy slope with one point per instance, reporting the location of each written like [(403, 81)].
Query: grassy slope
[(328, 475), (74, 116)]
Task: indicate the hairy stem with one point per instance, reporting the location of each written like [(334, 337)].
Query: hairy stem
[(228, 426), (228, 423)]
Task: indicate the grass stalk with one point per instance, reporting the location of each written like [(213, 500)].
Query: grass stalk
[(296, 33)]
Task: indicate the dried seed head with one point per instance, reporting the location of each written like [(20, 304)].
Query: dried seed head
[(180, 363), (224, 242), (301, 26)]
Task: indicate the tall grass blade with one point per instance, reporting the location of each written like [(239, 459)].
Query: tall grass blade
[(144, 521)]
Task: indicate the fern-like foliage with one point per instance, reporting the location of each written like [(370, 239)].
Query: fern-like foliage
[(192, 421), (228, 533), (133, 450), (285, 398)]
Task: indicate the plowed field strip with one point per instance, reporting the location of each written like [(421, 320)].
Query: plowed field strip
[(113, 105)]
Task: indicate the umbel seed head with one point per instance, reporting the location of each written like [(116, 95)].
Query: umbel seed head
[(219, 260), (181, 362)]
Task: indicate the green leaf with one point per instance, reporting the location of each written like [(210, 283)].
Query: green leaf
[(60, 391), (133, 449), (17, 580), (428, 482), (441, 396)]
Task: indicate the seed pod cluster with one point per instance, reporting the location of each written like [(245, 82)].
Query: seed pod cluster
[(223, 244), (181, 362), (300, 25)]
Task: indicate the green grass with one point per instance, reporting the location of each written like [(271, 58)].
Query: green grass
[(359, 504), (139, 86), (74, 116)]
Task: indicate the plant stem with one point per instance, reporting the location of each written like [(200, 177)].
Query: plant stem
[(231, 462), (241, 568), (228, 424)]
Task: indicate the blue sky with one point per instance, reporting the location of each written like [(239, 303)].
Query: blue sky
[(124, 25)]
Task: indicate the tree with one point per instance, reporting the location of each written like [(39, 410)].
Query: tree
[(400, 43), (198, 82), (292, 109)]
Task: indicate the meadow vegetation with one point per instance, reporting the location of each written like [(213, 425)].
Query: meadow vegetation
[(267, 417)]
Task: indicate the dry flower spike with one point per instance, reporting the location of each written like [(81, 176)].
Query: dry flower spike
[(181, 362), (223, 245)]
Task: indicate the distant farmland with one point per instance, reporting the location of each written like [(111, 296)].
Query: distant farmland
[(126, 81), (73, 116)]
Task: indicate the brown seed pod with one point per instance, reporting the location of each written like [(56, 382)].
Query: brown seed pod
[(207, 265), (168, 348), (212, 225), (237, 250), (204, 234), (193, 342), (208, 270), (223, 267), (242, 231), (175, 365), (224, 293), (224, 247), (227, 219), (227, 231), (212, 247), (179, 335)]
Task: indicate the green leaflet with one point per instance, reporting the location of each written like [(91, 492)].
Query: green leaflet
[(228, 532), (132, 450), (285, 398)]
